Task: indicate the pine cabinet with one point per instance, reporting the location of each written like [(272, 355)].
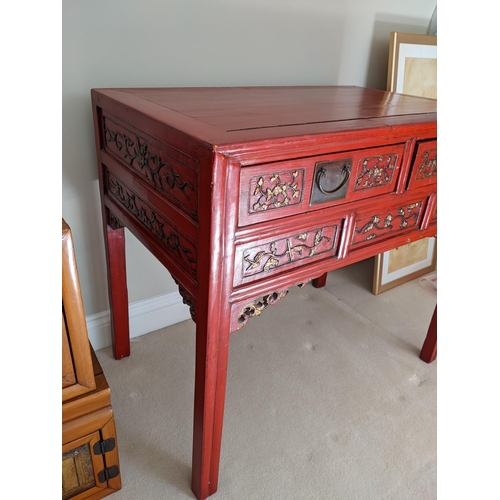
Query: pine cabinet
[(90, 465)]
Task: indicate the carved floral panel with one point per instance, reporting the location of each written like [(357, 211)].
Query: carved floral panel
[(374, 171), (282, 252), (426, 165), (176, 244), (382, 224), (158, 167), (276, 190)]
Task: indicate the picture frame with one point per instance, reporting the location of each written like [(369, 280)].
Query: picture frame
[(412, 69), (403, 264)]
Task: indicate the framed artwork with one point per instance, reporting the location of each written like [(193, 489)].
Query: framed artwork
[(412, 70), (403, 264), (412, 65)]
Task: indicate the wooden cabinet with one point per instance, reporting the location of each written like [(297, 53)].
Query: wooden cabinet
[(90, 467)]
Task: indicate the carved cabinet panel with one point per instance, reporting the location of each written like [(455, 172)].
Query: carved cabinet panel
[(424, 169)]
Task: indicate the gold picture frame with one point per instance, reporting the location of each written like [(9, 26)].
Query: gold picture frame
[(412, 69), (412, 65), (403, 264)]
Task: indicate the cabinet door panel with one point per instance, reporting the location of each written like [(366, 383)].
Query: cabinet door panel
[(79, 466)]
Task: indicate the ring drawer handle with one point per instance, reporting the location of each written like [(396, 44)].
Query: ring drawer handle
[(346, 171)]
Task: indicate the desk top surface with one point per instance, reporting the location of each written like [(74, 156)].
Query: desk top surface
[(225, 115)]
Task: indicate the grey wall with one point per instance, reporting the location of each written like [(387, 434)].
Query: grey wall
[(125, 43)]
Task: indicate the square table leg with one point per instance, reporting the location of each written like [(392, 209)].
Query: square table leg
[(320, 282), (429, 348), (212, 344), (118, 294)]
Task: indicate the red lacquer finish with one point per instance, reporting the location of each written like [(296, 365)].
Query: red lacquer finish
[(320, 282), (118, 295), (242, 193), (429, 349)]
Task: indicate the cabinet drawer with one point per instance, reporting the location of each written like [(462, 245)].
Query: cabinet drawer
[(424, 167), (281, 189), (379, 224), (269, 256)]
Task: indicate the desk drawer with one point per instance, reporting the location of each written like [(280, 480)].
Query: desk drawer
[(271, 255), (424, 167), (379, 224), (276, 190)]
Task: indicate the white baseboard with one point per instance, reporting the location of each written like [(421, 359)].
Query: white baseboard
[(145, 316)]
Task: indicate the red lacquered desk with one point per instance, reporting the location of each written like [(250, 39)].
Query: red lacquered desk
[(244, 192)]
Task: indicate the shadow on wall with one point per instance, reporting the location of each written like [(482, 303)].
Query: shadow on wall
[(379, 53)]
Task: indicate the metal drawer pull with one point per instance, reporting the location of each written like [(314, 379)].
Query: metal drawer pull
[(346, 171)]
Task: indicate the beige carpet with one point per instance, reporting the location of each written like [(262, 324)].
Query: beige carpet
[(326, 399)]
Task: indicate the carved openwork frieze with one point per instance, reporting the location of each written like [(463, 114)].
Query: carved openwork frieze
[(375, 171), (283, 251), (382, 224), (277, 190), (256, 307), (156, 166), (175, 243), (428, 167)]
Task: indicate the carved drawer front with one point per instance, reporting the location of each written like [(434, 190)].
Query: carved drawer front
[(379, 224), (275, 254), (167, 170), (424, 167), (281, 189), (175, 242), (434, 215)]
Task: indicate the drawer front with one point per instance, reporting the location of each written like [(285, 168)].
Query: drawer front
[(269, 256), (379, 224), (167, 170), (424, 167), (180, 247), (434, 216), (281, 189)]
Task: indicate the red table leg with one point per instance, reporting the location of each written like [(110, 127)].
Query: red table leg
[(320, 282), (118, 294), (212, 342), (429, 349)]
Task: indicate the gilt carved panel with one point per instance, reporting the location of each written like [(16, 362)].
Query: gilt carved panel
[(375, 171), (427, 166), (277, 190), (386, 223), (272, 255)]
